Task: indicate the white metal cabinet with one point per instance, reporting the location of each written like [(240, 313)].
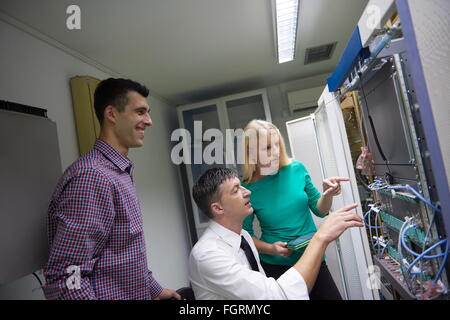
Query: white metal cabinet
[(223, 114)]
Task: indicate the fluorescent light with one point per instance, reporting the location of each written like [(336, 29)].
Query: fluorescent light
[(286, 18)]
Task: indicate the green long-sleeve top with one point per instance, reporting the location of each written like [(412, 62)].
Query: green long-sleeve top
[(282, 204)]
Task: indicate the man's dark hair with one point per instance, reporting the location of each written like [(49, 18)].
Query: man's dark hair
[(206, 188), (114, 92)]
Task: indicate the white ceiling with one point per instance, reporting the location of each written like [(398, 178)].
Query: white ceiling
[(190, 50)]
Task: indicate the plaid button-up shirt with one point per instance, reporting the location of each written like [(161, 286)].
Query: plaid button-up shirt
[(97, 247)]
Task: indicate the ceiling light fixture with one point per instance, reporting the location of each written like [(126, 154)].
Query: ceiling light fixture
[(286, 17)]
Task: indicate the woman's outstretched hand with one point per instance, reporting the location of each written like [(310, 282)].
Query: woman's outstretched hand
[(332, 186)]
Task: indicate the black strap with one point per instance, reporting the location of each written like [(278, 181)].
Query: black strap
[(249, 253)]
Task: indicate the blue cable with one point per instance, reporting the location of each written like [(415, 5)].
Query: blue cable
[(412, 252), (369, 225), (417, 194), (378, 249), (438, 275), (423, 255), (378, 184), (384, 249)]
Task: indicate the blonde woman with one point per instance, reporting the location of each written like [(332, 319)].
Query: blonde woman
[(283, 197)]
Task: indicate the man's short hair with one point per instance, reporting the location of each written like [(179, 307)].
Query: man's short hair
[(206, 188), (114, 92)]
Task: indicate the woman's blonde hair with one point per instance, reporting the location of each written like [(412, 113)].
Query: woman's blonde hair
[(256, 126)]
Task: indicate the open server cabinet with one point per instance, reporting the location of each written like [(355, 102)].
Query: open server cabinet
[(371, 101)]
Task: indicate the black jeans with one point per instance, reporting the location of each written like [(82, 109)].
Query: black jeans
[(324, 288)]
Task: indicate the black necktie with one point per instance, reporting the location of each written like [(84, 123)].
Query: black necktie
[(249, 253)]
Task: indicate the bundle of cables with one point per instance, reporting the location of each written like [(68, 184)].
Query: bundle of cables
[(425, 253), (378, 240), (416, 193), (380, 184)]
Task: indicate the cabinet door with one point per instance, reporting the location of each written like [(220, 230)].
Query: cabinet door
[(239, 110), (88, 127), (303, 142), (320, 142), (199, 120), (336, 160)]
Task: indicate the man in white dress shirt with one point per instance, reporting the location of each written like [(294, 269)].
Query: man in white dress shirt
[(219, 267)]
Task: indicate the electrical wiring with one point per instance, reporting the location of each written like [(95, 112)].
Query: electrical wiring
[(435, 209), (427, 234), (433, 246), (428, 230), (406, 226), (368, 213), (419, 208), (424, 256), (376, 231), (441, 268), (400, 253), (370, 229), (378, 184), (403, 241), (385, 247), (368, 225), (417, 194), (380, 253)]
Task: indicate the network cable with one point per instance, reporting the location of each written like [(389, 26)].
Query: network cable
[(403, 237), (382, 184), (435, 209), (368, 225), (389, 242), (400, 253), (417, 194), (370, 228), (378, 184), (441, 268), (424, 255)]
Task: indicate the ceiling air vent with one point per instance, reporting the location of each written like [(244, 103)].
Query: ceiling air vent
[(319, 53)]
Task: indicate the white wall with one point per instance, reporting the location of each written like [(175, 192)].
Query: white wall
[(160, 195), (36, 73)]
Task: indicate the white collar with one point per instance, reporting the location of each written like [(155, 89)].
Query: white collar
[(230, 237)]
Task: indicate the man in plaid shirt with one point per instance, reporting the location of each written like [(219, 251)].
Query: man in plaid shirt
[(97, 247)]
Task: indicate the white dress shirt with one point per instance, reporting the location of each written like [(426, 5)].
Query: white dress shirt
[(219, 270)]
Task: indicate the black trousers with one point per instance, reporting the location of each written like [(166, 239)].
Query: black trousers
[(324, 288)]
